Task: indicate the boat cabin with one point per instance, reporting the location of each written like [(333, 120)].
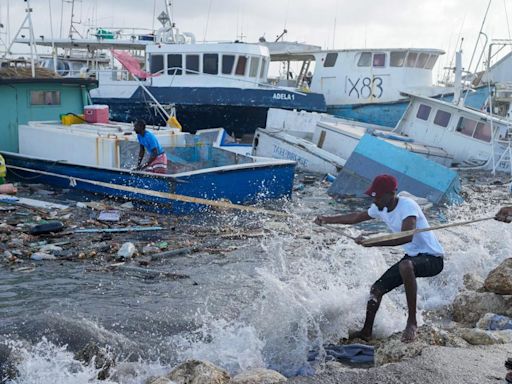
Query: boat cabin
[(362, 76), (471, 136), (236, 65)]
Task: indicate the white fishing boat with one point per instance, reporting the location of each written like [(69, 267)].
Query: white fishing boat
[(323, 143), (207, 84), (474, 138), (365, 85)]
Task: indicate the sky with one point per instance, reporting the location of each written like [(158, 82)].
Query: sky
[(328, 23)]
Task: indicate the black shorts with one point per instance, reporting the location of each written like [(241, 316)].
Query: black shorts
[(425, 265)]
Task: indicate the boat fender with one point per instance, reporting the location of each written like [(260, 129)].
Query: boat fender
[(174, 123)]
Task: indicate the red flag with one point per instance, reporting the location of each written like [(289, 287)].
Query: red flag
[(131, 64)]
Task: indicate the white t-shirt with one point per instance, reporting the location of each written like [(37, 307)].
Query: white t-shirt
[(423, 242)]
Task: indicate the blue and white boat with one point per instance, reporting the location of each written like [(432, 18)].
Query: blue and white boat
[(207, 84), (365, 85), (98, 158)]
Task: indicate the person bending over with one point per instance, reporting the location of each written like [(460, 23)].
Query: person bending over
[(157, 162)]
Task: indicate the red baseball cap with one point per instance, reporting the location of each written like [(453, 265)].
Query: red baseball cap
[(381, 185)]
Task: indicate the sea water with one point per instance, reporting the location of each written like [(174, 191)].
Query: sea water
[(265, 304)]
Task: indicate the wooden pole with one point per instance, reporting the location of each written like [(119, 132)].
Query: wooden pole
[(401, 235)]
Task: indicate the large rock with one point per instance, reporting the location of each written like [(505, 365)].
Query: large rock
[(198, 372), (468, 307), (393, 350), (258, 376), (494, 322), (476, 336), (499, 280)]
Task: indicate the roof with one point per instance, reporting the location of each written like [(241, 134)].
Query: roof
[(446, 104), (90, 44), (23, 75)]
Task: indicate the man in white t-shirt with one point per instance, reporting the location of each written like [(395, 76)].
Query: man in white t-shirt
[(423, 258)]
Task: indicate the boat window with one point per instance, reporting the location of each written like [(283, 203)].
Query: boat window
[(466, 126), (330, 59), (156, 63), (174, 64), (365, 59), (192, 62), (253, 68), (397, 59), (240, 66), (211, 63), (379, 59), (227, 64), (422, 60), (431, 62), (423, 112), (44, 97), (263, 68), (442, 118), (483, 132), (411, 59)]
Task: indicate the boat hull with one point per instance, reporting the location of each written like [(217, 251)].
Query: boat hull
[(254, 182), (239, 111)]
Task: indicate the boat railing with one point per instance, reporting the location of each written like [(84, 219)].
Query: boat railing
[(174, 70)]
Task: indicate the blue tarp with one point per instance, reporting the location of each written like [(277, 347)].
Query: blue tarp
[(353, 354)]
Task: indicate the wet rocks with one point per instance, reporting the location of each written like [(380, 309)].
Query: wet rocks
[(198, 372), (469, 307), (258, 376), (493, 322), (392, 349), (475, 336), (499, 279), (100, 357), (473, 282)]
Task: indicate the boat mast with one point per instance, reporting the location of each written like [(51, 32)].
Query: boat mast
[(27, 24), (72, 28)]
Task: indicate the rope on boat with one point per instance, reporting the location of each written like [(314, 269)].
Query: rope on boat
[(166, 195)]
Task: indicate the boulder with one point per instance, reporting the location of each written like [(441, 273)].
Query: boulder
[(473, 282), (494, 322), (468, 307), (475, 336), (198, 372), (499, 280), (101, 358), (258, 376), (393, 350)]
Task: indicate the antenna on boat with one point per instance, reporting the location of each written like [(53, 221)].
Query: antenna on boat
[(280, 37), (27, 24)]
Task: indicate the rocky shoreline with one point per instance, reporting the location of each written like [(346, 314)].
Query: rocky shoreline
[(470, 349), (465, 342)]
